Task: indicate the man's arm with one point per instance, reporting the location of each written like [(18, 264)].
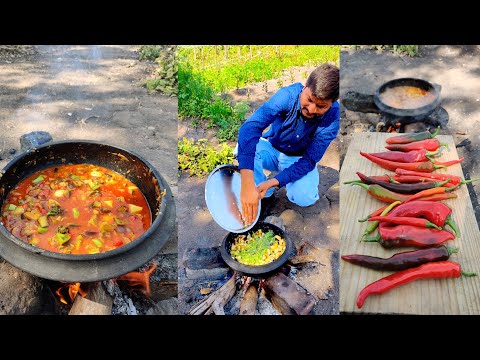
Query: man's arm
[(314, 153), (248, 137)]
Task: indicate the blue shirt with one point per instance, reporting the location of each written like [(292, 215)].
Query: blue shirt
[(289, 133)]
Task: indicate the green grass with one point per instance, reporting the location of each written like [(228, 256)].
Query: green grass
[(206, 73), (244, 64)]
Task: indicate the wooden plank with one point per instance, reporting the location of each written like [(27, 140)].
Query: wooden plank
[(436, 296)]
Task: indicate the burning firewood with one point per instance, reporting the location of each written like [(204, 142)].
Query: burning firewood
[(217, 300)]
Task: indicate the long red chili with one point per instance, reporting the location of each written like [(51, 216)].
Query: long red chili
[(403, 260), (442, 177), (439, 177), (436, 212), (438, 190), (425, 166), (439, 197), (405, 220), (408, 235), (399, 188), (408, 138), (375, 213), (406, 157), (429, 144), (431, 270), (373, 225)]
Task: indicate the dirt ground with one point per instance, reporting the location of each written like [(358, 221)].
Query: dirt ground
[(313, 229), (455, 68), (89, 92)]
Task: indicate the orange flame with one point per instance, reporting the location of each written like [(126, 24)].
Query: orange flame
[(73, 290), (139, 281)]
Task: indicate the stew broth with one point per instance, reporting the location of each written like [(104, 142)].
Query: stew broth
[(76, 209), (407, 97)]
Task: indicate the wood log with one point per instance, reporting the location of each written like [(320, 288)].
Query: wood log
[(287, 296), (226, 291), (97, 302), (248, 306)]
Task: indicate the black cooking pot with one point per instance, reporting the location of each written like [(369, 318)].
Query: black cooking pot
[(89, 267), (415, 114), (261, 270)]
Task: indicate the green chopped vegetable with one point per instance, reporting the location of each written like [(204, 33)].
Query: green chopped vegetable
[(38, 180), (76, 213), (120, 222), (42, 230), (94, 186), (97, 242), (55, 210), (76, 177), (11, 207), (62, 238)]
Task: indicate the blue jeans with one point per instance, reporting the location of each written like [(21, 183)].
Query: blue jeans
[(303, 192)]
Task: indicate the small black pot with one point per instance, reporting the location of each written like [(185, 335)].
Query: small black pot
[(261, 270), (410, 115), (89, 267)]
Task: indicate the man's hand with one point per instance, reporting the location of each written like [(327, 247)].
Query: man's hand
[(264, 186), (249, 196)]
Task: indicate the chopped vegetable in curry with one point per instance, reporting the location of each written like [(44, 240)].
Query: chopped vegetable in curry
[(257, 248), (76, 209)]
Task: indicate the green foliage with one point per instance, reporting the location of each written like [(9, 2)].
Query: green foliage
[(150, 52), (207, 72), (241, 65), (201, 158), (166, 79), (197, 100)]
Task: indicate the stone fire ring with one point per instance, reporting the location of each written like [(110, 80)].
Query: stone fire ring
[(95, 270)]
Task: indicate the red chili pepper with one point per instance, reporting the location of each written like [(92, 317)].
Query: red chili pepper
[(403, 260), (382, 194), (428, 192), (442, 177), (454, 180), (408, 235), (432, 270), (399, 188), (436, 212), (406, 157), (373, 225), (405, 220), (439, 197), (375, 213), (426, 166), (408, 138), (430, 145), (448, 163)]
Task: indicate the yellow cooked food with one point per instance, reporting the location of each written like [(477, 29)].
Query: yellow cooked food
[(257, 248)]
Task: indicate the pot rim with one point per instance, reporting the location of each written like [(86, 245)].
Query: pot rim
[(5, 233), (260, 269), (419, 111)]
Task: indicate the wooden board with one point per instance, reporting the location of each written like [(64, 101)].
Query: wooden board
[(435, 296)]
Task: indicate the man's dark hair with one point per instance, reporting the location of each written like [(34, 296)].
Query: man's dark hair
[(324, 82)]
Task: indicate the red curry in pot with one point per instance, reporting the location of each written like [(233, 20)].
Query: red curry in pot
[(76, 209)]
